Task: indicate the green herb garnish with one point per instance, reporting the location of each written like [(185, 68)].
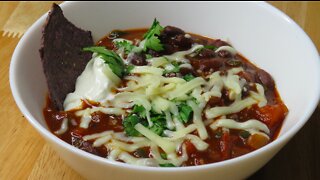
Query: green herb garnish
[(152, 40), (188, 77), (126, 45), (167, 165), (244, 134), (175, 69), (163, 155), (185, 112), (111, 58), (138, 115), (210, 47), (129, 122), (128, 69), (139, 110), (149, 56), (159, 124), (154, 43), (155, 29)]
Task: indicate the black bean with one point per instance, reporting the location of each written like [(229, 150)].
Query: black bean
[(224, 54), (141, 153), (137, 59), (234, 63), (207, 64), (172, 74), (182, 42), (217, 43), (185, 71), (154, 53), (172, 31), (116, 34), (83, 145), (206, 53), (265, 78)]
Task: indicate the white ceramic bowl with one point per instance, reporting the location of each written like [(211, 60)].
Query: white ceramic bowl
[(260, 32)]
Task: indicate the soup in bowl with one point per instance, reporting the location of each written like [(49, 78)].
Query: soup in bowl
[(237, 27)]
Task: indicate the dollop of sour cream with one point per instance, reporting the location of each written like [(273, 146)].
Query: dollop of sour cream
[(94, 84)]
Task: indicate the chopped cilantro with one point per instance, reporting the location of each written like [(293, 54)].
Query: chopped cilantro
[(176, 68), (152, 40), (128, 69), (126, 45), (129, 122), (210, 47), (185, 112), (163, 155), (111, 58), (139, 110), (159, 124), (153, 43), (167, 165), (188, 77), (149, 56), (244, 134), (138, 115), (155, 29)]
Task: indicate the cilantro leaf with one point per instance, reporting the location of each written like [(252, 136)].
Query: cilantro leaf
[(176, 68), (129, 122), (154, 43), (185, 112), (139, 110), (111, 58), (163, 155), (159, 124), (210, 47), (138, 115), (152, 40), (167, 165), (128, 69), (148, 56), (126, 45), (155, 29), (188, 77), (244, 134)]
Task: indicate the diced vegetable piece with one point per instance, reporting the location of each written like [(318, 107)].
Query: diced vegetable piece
[(256, 141), (225, 145)]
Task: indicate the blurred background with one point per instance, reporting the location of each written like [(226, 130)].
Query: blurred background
[(25, 155)]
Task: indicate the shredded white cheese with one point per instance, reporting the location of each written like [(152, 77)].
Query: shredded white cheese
[(147, 86), (63, 127), (251, 124)]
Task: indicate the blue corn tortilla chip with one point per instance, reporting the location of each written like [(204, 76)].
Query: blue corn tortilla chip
[(61, 54)]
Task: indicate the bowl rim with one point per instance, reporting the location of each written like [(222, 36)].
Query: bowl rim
[(47, 134)]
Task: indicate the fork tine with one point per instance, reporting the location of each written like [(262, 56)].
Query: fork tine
[(4, 33)]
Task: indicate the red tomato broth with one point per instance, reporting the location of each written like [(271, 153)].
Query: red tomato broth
[(222, 145)]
